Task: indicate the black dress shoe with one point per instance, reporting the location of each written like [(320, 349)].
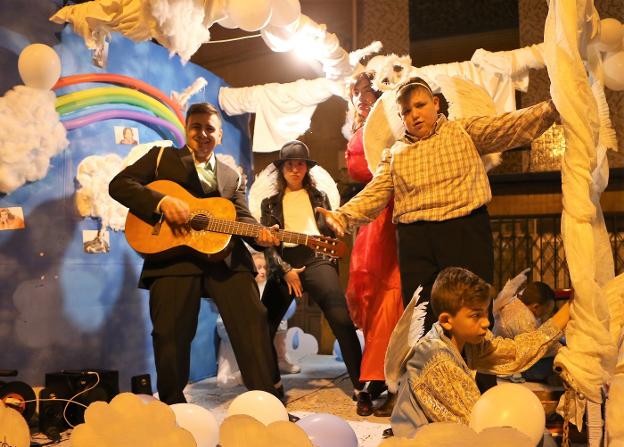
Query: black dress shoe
[(364, 404), (293, 418), (385, 411)]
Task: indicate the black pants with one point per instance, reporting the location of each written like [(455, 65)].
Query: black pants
[(426, 248), (174, 309), (320, 280)]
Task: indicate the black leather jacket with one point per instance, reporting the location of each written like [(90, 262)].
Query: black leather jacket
[(273, 213)]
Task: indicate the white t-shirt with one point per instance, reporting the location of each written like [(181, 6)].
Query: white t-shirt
[(298, 214)]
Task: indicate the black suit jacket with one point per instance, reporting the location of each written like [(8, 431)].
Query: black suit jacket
[(177, 165)]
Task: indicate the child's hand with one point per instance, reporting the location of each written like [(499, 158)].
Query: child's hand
[(561, 318)]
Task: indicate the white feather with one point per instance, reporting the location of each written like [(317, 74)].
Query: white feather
[(417, 324), (357, 55), (509, 292)]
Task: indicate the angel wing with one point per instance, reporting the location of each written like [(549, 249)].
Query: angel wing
[(509, 292), (265, 185), (417, 324)]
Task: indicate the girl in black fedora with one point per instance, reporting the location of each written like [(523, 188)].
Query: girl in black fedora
[(295, 269)]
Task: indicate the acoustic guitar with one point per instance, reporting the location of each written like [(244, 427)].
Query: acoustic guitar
[(209, 230)]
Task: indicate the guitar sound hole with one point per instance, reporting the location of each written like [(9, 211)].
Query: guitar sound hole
[(199, 222)]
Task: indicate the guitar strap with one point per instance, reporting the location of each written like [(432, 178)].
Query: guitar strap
[(160, 152)]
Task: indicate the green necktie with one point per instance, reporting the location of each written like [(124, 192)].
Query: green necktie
[(207, 178)]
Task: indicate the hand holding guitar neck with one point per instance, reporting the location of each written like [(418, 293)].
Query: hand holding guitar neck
[(267, 237)]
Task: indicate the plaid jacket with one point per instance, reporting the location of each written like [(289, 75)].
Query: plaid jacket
[(441, 176)]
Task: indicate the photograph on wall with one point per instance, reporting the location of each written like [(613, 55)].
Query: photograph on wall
[(126, 135), (95, 241), (11, 218)]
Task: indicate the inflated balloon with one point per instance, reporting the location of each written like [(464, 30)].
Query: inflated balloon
[(338, 352), (285, 12), (261, 405), (13, 428), (84, 435), (241, 430), (327, 430), (613, 67), (249, 15), (227, 22), (121, 80), (199, 421), (39, 66), (287, 434), (510, 405), (610, 35), (291, 310), (107, 95), (146, 398), (446, 434), (299, 344), (507, 436), (127, 114)]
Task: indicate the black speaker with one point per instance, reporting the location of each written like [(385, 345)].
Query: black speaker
[(73, 384), (141, 384), (51, 422), (19, 396)]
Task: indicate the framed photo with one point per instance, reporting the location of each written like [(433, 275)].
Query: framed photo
[(126, 135), (95, 241), (12, 218)]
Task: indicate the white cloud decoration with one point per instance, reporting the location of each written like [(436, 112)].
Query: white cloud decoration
[(94, 173), (31, 134)]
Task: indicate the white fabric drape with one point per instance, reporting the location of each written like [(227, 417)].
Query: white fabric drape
[(283, 111), (590, 357)]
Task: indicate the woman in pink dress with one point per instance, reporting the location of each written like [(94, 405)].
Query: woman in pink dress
[(374, 288)]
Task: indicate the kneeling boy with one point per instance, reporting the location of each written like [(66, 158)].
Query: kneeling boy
[(437, 382)]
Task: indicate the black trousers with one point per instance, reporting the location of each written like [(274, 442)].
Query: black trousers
[(174, 310), (426, 248), (320, 280)]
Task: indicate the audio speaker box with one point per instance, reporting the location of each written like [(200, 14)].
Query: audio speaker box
[(141, 384), (102, 385)]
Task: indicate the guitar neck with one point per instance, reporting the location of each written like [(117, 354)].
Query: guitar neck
[(248, 229)]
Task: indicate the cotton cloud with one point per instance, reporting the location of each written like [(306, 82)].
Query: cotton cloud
[(94, 173), (30, 135)]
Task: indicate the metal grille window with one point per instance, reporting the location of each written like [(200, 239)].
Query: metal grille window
[(536, 242)]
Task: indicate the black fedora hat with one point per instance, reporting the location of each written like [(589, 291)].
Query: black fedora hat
[(294, 150)]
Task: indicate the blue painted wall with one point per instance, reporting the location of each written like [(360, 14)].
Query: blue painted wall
[(61, 308)]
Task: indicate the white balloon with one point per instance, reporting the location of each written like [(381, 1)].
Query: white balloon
[(39, 66), (510, 405), (613, 67), (199, 421), (285, 12), (507, 436), (261, 405), (227, 22), (445, 434), (250, 15), (146, 398), (13, 428), (610, 36)]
